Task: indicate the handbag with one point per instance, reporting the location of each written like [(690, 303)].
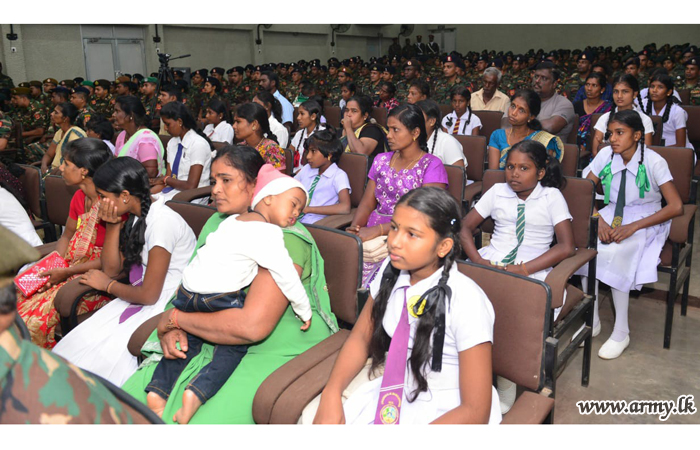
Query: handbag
[(29, 281), (375, 250)]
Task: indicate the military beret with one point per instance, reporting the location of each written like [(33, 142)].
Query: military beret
[(519, 58), (259, 68), (214, 82), (35, 83), (497, 63), (153, 80), (366, 65), (666, 58), (122, 79), (451, 59), (249, 67), (88, 83), (69, 83), (483, 58), (509, 53), (324, 69), (553, 53), (51, 80), (238, 69), (20, 91), (24, 84), (103, 84), (333, 59), (82, 89), (390, 69), (201, 72), (179, 72), (335, 64), (61, 90), (692, 61), (314, 63), (644, 52), (412, 63), (16, 253), (219, 70), (376, 68), (632, 61), (78, 80), (587, 55), (346, 70), (692, 49)]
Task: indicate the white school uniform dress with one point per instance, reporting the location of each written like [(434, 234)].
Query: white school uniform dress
[(468, 322), (677, 118), (15, 218), (299, 143), (449, 121), (280, 131), (602, 124), (195, 150), (332, 181), (223, 132), (446, 147), (544, 209), (99, 343), (632, 263), (644, 93)]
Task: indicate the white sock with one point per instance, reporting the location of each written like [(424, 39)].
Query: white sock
[(596, 317), (622, 302)]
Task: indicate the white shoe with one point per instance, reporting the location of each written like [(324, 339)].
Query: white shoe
[(596, 332), (506, 393), (613, 349)]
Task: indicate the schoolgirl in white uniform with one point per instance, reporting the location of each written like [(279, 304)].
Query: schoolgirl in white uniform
[(633, 227), (309, 119), (410, 295), (218, 127), (529, 200), (461, 120), (441, 144)]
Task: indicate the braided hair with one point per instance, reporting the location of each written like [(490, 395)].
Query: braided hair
[(536, 151), (464, 92), (444, 217), (633, 120), (252, 112), (128, 174), (632, 83), (178, 111), (667, 81), (431, 110), (411, 117)]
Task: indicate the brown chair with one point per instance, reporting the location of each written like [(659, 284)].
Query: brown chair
[(579, 194), (455, 180), (677, 253), (289, 161), (490, 122), (569, 163), (522, 352), (380, 115), (193, 194), (33, 184), (693, 129), (474, 149), (585, 155), (58, 199), (572, 138), (685, 96), (194, 214), (332, 114), (295, 124), (164, 139), (658, 123), (356, 166), (445, 110)]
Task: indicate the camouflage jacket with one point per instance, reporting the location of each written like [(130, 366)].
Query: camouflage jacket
[(31, 117), (571, 85), (5, 126), (103, 106), (293, 91), (84, 117), (441, 91), (39, 387), (513, 82), (6, 82), (238, 94), (695, 95)]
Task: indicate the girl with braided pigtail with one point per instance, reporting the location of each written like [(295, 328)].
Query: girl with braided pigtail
[(151, 248), (441, 144), (633, 227), (662, 102), (435, 323)]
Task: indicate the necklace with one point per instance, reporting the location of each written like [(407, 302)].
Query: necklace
[(391, 164), (509, 135), (258, 213)]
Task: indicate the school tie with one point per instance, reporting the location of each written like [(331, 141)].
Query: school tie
[(176, 166), (311, 192), (620, 205), (455, 130), (519, 233), (136, 279), (391, 392)]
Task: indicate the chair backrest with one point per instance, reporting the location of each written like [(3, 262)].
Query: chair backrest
[(380, 115), (684, 94), (332, 114), (445, 110), (490, 122), (573, 134), (194, 214), (569, 162), (522, 309), (356, 166), (58, 198), (579, 194), (474, 149), (658, 123), (594, 120), (693, 124), (455, 179), (289, 161), (295, 124), (680, 163), (491, 177), (164, 139), (34, 187), (342, 257)]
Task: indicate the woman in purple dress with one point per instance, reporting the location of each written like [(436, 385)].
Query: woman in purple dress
[(407, 167)]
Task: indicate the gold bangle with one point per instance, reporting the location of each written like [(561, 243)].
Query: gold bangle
[(596, 214), (109, 286), (381, 229)]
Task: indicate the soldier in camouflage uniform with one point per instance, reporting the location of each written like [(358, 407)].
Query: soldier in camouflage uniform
[(36, 94), (443, 86), (517, 77), (149, 87), (38, 386), (5, 129), (238, 91), (79, 99), (32, 115), (375, 78), (5, 81), (293, 89), (573, 83), (218, 73), (411, 71), (48, 86), (691, 80), (103, 103), (195, 92)]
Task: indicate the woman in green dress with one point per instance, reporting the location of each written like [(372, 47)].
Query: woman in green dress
[(266, 322)]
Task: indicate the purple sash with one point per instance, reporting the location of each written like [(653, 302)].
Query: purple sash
[(391, 392), (136, 279)]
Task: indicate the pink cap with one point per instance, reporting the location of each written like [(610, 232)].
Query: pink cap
[(272, 182)]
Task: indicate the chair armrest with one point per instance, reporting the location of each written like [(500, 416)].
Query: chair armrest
[(139, 337), (337, 221), (680, 226), (558, 278), (69, 293), (193, 194), (285, 393), (46, 248)]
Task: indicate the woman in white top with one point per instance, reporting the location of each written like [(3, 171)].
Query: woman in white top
[(274, 116), (218, 127), (443, 145), (309, 119), (158, 246), (189, 154), (14, 217), (625, 91), (461, 120), (661, 102)]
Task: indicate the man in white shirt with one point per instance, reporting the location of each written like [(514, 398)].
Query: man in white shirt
[(269, 82), (557, 113), (489, 98)]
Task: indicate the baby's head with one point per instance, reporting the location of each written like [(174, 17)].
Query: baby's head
[(278, 197)]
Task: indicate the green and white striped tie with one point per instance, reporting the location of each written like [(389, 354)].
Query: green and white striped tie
[(520, 234), (311, 193)]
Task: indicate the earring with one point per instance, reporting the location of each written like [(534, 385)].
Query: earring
[(124, 200)]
